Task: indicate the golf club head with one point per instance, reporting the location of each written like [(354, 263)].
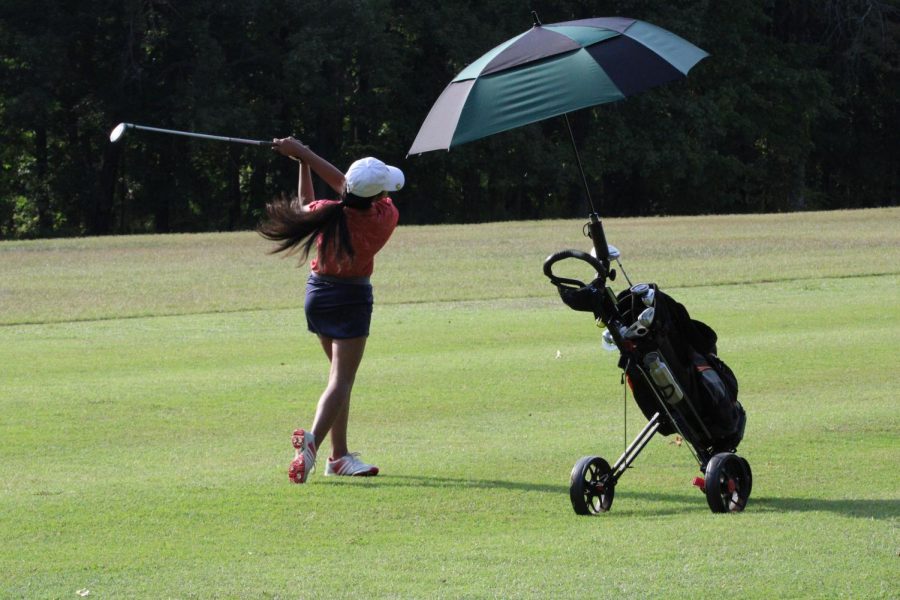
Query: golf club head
[(612, 252), (118, 132), (646, 317), (645, 292), (608, 343), (635, 330)]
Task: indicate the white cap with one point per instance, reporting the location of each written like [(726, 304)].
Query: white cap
[(369, 177)]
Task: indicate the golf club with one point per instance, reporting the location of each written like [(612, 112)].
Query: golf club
[(646, 293), (117, 133), (635, 330), (646, 317), (609, 344)]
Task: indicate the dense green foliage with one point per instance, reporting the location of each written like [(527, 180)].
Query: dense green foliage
[(795, 109)]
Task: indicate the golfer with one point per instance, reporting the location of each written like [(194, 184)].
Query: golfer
[(347, 233)]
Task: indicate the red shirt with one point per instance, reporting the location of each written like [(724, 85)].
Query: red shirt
[(369, 232)]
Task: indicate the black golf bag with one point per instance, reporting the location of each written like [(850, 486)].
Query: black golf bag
[(681, 369)]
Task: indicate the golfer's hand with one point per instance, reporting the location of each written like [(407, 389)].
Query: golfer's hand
[(290, 147)]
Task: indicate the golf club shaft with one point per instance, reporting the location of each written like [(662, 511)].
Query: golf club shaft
[(203, 136)]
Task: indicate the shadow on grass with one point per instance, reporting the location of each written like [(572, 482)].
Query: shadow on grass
[(862, 508), (865, 509), (868, 509), (450, 482)]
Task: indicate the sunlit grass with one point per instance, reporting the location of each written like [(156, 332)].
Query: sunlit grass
[(146, 456), (97, 278)]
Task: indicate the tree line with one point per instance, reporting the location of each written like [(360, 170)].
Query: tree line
[(795, 109)]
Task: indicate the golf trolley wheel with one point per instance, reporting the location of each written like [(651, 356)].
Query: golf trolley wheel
[(728, 482), (749, 477), (589, 490)]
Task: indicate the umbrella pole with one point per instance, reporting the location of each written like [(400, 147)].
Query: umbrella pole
[(587, 190), (595, 226)]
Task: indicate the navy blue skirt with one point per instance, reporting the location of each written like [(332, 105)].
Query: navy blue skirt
[(337, 309)]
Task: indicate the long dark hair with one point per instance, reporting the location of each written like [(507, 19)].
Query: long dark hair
[(297, 230)]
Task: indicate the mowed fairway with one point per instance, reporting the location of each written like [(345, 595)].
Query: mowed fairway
[(149, 386)]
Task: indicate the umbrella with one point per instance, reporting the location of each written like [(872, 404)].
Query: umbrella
[(551, 70)]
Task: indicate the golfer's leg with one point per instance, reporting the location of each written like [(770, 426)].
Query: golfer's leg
[(345, 358), (339, 432), (326, 345)]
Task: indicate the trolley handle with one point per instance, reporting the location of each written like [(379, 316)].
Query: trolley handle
[(563, 282)]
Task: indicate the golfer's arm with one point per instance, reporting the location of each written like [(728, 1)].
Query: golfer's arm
[(304, 185), (324, 169)]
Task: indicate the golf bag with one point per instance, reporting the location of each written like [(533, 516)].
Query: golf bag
[(670, 359)]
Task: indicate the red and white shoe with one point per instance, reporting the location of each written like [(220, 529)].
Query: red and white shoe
[(350, 465), (304, 457)]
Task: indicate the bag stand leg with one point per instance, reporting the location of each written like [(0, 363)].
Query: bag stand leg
[(632, 451)]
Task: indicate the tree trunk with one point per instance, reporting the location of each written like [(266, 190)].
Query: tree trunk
[(798, 193), (102, 217), (233, 193), (42, 189)]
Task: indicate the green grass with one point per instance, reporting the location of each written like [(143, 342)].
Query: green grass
[(148, 387)]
